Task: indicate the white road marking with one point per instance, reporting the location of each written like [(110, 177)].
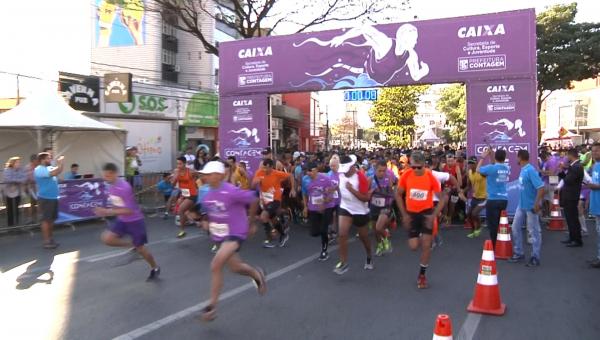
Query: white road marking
[(153, 326), (469, 327)]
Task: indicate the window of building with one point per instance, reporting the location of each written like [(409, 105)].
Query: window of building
[(216, 76), (168, 57), (581, 115), (199, 54), (168, 29)]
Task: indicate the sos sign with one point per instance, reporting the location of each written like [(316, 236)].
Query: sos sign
[(155, 104)]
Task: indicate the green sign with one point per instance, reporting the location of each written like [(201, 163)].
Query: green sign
[(145, 103), (202, 110)]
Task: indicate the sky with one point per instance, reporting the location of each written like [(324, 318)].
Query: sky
[(41, 37)]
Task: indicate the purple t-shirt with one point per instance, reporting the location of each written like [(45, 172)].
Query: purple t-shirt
[(226, 209), (319, 193), (383, 193), (335, 178), (551, 165), (120, 195)]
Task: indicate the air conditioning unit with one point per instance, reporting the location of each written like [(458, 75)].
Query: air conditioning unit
[(177, 68)]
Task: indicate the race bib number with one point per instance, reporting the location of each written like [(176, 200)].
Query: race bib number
[(219, 229), (418, 195), (553, 180), (454, 199), (116, 201), (317, 200), (267, 197), (336, 195), (378, 202), (185, 192)]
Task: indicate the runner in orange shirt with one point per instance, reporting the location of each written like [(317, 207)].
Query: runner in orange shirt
[(268, 181), (185, 180), (414, 197)]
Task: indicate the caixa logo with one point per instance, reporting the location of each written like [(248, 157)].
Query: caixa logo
[(255, 52), (481, 31)]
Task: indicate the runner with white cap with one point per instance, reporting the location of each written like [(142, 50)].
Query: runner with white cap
[(229, 225)]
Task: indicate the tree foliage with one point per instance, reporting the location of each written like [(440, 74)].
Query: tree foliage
[(256, 18), (566, 51), (453, 103), (393, 113)]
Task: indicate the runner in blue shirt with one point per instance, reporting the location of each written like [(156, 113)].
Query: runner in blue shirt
[(595, 200), (531, 195), (496, 174)]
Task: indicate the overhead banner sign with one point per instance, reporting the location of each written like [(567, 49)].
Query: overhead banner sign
[(488, 46), (243, 128), (83, 92)]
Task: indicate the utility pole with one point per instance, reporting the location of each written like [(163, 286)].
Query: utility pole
[(18, 91)]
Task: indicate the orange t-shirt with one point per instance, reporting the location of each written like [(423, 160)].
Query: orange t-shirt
[(187, 184), (270, 186), (419, 190)]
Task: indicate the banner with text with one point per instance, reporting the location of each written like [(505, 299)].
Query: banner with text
[(488, 46), (503, 115), (78, 198), (243, 129)]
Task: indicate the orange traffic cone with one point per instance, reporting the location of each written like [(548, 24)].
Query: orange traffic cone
[(443, 328), (486, 299), (556, 221), (503, 241)]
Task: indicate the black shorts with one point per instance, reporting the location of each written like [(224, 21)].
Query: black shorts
[(417, 223), (376, 211), (49, 209), (237, 239), (192, 198), (358, 221), (272, 208)]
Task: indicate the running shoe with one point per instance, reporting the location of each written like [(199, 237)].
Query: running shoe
[(516, 258), (533, 262), (51, 245), (268, 244), (131, 256), (181, 234), (369, 264), (387, 246), (261, 284), (209, 313), (283, 240), (165, 215), (154, 273), (379, 250), (422, 282), (324, 256), (214, 248), (474, 234), (341, 268)]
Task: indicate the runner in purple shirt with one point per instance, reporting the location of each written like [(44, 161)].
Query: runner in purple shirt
[(228, 223), (317, 192), (549, 171), (129, 219)]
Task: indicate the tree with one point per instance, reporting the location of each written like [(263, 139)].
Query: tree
[(256, 18), (343, 130), (393, 113), (453, 103), (566, 51)]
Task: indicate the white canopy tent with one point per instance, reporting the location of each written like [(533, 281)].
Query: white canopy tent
[(429, 136), (45, 119)]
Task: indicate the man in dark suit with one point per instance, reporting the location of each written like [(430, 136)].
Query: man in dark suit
[(572, 177)]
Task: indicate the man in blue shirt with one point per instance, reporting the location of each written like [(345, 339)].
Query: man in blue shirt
[(47, 184), (595, 199), (531, 194), (496, 175)]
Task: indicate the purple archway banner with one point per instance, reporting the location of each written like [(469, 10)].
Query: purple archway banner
[(502, 114), (243, 128), (489, 46)]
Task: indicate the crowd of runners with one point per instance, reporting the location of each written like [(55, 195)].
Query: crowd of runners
[(376, 191)]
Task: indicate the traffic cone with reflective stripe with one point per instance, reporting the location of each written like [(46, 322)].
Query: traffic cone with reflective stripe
[(486, 299), (556, 221), (443, 328), (503, 241)]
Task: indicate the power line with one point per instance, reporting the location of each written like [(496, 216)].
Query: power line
[(150, 70)]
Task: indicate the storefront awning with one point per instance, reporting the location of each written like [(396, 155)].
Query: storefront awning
[(202, 110)]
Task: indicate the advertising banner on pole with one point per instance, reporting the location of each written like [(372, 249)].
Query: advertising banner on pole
[(78, 198), (503, 115), (488, 46), (243, 129)]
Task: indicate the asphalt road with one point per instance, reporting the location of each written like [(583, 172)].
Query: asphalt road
[(82, 290)]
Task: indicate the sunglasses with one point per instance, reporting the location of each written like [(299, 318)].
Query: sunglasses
[(416, 167)]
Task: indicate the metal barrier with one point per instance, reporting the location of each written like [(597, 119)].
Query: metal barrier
[(147, 195)]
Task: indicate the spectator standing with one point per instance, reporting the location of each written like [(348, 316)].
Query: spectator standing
[(189, 158), (496, 175), (595, 200), (31, 188), (47, 183), (572, 178), (14, 178), (74, 173), (132, 165)]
